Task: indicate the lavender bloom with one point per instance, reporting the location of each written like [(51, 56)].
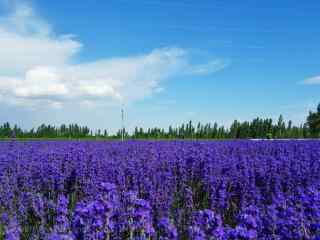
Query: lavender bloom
[(206, 224), (195, 233), (5, 218), (241, 232), (160, 189), (62, 221), (167, 230), (13, 230), (137, 220), (59, 236), (189, 198), (94, 220), (61, 229)]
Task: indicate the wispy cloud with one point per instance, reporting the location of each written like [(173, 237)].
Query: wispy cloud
[(312, 81), (209, 68), (37, 67)]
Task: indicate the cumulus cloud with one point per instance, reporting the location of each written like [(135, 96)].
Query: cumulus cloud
[(312, 81), (37, 67), (27, 41)]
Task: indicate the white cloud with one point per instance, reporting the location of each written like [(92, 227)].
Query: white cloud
[(312, 81), (27, 41), (87, 103), (37, 67), (208, 68)]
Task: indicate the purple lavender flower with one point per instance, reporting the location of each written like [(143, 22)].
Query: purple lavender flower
[(207, 223), (13, 230), (218, 190), (167, 230), (95, 218)]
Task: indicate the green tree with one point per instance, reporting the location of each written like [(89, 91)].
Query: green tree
[(281, 127), (313, 122)]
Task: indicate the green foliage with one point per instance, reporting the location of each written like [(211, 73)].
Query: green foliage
[(269, 135), (257, 128), (313, 122)]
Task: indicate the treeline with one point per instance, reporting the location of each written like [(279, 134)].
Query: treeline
[(257, 128), (50, 131)]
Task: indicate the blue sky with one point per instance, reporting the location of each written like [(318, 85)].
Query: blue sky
[(165, 61)]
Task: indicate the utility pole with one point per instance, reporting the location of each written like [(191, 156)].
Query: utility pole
[(122, 123)]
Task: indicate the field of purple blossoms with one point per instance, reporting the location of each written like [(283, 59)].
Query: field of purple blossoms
[(160, 190)]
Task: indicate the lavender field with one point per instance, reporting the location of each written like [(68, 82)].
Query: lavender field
[(160, 190)]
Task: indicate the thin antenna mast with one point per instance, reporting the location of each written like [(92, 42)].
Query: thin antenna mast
[(122, 123)]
